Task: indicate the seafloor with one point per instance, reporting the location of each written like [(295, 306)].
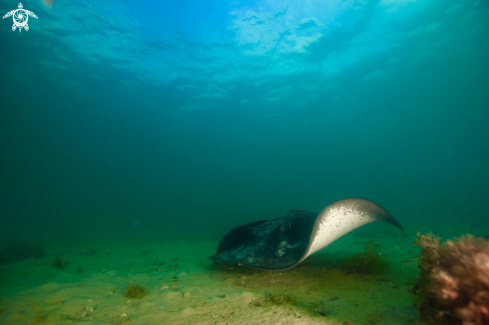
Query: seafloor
[(184, 287)]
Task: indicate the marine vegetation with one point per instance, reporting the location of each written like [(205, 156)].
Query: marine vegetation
[(59, 263), (370, 261), (283, 300), (40, 317), (273, 299), (81, 314), (453, 282), (119, 319), (135, 291)]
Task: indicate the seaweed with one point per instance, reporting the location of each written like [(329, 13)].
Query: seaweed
[(40, 317), (423, 297), (18, 252), (284, 300), (370, 261), (119, 320), (274, 299), (59, 263), (135, 291), (81, 314), (453, 282)]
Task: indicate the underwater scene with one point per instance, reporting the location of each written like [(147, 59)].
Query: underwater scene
[(244, 162)]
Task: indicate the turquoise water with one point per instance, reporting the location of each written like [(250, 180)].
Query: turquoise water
[(180, 120), (135, 134)]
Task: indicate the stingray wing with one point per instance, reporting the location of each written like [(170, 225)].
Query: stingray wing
[(274, 245), (8, 14), (30, 13), (342, 216)]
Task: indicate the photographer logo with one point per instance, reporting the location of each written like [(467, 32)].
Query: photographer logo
[(20, 17)]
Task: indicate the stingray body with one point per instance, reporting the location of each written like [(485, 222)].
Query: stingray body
[(282, 243)]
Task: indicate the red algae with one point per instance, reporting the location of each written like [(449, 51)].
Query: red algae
[(453, 284)]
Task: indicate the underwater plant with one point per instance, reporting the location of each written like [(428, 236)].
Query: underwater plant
[(283, 300), (40, 317), (453, 282), (119, 320), (135, 291), (370, 261), (59, 263), (82, 313)]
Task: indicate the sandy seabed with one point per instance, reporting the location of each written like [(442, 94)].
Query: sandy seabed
[(184, 287)]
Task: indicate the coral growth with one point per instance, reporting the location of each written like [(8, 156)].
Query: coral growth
[(135, 291), (453, 283), (370, 261)]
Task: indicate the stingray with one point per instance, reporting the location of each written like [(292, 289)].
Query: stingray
[(282, 243)]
